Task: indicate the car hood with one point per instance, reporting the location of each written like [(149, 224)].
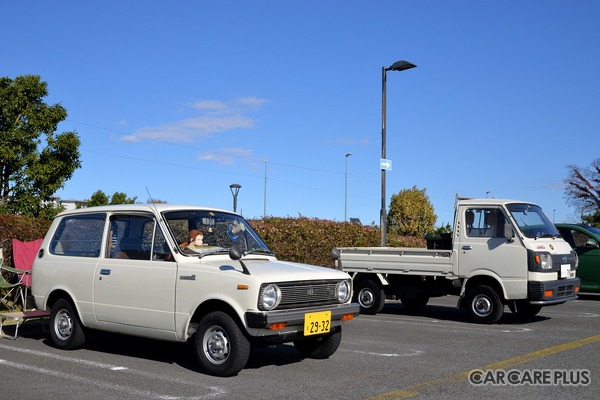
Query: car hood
[(270, 269)]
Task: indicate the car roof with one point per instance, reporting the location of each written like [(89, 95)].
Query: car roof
[(162, 207)]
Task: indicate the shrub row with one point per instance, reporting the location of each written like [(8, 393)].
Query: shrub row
[(304, 240)]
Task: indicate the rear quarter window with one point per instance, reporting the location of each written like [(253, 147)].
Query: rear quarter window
[(79, 236)]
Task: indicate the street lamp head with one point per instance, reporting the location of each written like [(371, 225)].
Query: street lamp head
[(348, 155), (400, 66), (235, 188)]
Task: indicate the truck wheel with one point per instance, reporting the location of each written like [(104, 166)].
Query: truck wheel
[(370, 297), (66, 331), (319, 347), (415, 304), (484, 305), (220, 346), (525, 311)]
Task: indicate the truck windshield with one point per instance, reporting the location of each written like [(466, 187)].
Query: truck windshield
[(210, 232), (532, 221)]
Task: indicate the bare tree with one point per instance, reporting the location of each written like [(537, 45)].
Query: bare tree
[(583, 187)]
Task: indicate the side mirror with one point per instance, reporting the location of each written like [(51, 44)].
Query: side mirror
[(235, 253), (509, 233)]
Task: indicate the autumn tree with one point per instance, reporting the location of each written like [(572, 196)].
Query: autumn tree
[(411, 213), (35, 161), (582, 191)]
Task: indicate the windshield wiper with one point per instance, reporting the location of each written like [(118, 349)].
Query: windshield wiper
[(258, 251)]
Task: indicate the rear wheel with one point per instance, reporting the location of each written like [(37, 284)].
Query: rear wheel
[(66, 331), (220, 346), (484, 305), (370, 297), (319, 347)]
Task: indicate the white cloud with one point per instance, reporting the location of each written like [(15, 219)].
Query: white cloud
[(225, 156), (216, 116)]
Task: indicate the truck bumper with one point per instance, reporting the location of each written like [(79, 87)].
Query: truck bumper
[(294, 319), (552, 292)]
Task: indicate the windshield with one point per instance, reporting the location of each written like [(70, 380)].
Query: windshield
[(532, 221), (209, 232)]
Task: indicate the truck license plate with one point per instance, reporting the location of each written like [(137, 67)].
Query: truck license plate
[(317, 322)]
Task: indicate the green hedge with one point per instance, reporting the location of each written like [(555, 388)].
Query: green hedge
[(304, 240)]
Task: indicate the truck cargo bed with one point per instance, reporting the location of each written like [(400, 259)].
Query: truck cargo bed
[(396, 260)]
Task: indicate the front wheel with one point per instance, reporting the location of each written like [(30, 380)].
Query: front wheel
[(220, 346), (370, 297), (319, 347), (484, 305), (66, 332)]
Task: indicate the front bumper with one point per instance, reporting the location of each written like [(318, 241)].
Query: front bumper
[(546, 293), (294, 318)]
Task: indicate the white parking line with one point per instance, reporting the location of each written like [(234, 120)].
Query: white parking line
[(211, 391), (445, 325)]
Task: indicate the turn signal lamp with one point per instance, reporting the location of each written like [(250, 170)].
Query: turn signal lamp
[(348, 317), (277, 327), (548, 293)]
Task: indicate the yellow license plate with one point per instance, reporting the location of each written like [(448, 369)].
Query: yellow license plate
[(317, 322)]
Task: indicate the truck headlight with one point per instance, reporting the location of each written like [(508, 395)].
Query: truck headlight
[(343, 291), (543, 260), (270, 296)]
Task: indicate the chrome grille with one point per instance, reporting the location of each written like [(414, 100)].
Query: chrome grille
[(304, 294)]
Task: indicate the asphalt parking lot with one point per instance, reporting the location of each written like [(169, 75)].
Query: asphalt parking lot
[(393, 355)]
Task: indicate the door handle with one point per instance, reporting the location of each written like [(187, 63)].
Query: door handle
[(466, 247), (105, 271)]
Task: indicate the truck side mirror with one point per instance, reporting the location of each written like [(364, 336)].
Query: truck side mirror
[(509, 233)]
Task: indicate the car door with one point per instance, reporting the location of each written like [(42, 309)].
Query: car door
[(135, 282), (483, 250), (587, 248)]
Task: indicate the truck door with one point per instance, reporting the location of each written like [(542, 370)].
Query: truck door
[(135, 282), (484, 250)]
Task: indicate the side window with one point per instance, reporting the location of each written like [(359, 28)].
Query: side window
[(130, 238), (137, 237), (484, 222), (79, 236)]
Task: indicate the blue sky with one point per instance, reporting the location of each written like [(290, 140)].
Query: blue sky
[(187, 97)]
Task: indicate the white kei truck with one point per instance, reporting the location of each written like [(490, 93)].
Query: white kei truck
[(184, 274), (500, 252)]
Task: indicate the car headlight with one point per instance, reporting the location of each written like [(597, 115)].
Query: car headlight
[(343, 291), (270, 296)]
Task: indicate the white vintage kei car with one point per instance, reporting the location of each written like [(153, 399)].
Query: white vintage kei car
[(182, 273)]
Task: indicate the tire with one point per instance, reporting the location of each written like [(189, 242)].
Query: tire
[(525, 311), (319, 347), (220, 345), (66, 331), (484, 305), (415, 304), (370, 297)]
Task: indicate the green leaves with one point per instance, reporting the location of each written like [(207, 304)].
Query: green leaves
[(32, 169)]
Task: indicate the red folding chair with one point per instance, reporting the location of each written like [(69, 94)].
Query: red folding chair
[(24, 254)]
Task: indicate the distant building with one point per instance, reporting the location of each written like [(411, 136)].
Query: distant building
[(69, 204)]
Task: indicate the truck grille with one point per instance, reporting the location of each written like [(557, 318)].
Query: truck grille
[(536, 291), (305, 294)]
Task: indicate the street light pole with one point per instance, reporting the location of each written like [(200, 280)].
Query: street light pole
[(397, 66), (235, 189), (346, 190)]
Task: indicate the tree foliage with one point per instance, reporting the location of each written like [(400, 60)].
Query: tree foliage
[(582, 190), (32, 169), (99, 198), (411, 213)]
